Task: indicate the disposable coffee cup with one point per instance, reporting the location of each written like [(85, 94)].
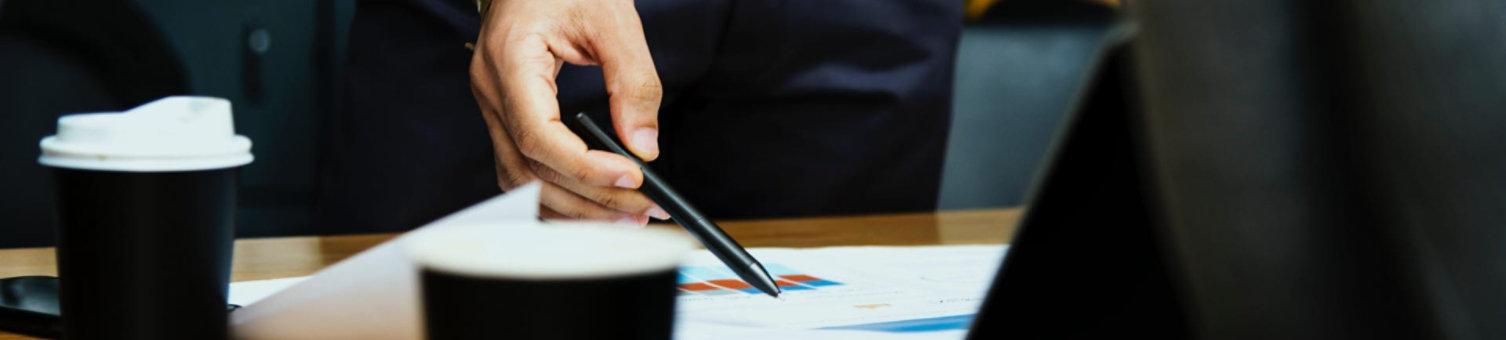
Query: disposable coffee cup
[(525, 281), (145, 202)]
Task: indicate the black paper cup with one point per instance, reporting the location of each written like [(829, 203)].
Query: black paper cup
[(526, 281), (145, 203)]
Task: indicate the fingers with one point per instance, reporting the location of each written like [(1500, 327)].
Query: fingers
[(512, 170), (520, 51), (548, 213), (632, 82), (531, 117), (619, 199), (570, 205)]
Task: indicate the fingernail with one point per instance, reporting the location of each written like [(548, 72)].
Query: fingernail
[(657, 212), (647, 139), (625, 182), (628, 220), (642, 222)]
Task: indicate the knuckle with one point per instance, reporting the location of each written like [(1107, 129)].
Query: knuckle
[(545, 173), (649, 89), (587, 211), (582, 172), (508, 179), (643, 88), (556, 198), (638, 201), (477, 71), (578, 19), (607, 199), (528, 142), (572, 212), (518, 180)]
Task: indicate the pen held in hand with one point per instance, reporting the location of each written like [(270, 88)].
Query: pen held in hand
[(709, 234)]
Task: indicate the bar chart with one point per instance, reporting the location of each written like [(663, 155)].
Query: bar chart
[(710, 280)]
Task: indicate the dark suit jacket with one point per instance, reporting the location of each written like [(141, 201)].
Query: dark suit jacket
[(771, 108)]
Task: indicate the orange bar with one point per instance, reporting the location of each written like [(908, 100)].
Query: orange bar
[(698, 286), (734, 284), (799, 277)]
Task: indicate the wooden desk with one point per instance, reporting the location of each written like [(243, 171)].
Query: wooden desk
[(270, 258)]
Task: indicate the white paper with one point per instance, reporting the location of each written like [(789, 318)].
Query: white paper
[(891, 292), (245, 293), (693, 330), (372, 295), (879, 286)]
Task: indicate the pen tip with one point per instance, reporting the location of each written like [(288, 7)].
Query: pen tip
[(765, 282)]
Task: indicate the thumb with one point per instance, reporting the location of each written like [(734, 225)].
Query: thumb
[(635, 115), (632, 84)]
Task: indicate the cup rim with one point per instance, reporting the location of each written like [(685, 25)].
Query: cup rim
[(533, 250)]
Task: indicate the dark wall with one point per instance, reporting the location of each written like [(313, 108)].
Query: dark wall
[(276, 61)]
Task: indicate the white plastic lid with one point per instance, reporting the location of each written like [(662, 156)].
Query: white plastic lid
[(180, 133), (527, 250)]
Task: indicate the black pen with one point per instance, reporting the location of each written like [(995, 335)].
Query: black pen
[(710, 235)]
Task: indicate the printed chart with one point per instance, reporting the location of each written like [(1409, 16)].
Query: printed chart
[(909, 290), (710, 280)]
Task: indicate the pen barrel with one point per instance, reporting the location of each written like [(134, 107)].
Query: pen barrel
[(709, 234), (656, 188)]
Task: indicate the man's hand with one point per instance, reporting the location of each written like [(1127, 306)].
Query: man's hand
[(523, 44)]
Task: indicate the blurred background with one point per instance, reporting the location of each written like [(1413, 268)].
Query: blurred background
[(280, 63)]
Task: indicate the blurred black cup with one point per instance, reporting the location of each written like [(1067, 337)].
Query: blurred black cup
[(526, 281), (145, 202)]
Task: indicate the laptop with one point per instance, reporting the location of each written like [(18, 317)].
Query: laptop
[(1084, 262), (1291, 176)]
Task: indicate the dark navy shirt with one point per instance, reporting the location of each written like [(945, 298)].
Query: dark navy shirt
[(771, 108)]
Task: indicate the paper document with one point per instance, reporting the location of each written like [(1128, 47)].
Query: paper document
[(870, 289), (829, 293), (371, 295)]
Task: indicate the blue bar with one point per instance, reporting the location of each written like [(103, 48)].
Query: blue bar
[(716, 292), (705, 273), (778, 269), (916, 325)]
